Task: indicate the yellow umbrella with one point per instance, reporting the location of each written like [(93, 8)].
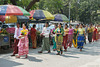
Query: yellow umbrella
[(48, 15)]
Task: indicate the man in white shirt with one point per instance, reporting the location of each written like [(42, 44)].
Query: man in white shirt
[(16, 39), (45, 42)]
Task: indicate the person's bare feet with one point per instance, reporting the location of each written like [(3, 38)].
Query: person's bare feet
[(61, 52), (54, 49), (39, 51), (49, 51), (26, 56), (65, 50), (80, 49), (58, 54), (17, 56), (13, 55)]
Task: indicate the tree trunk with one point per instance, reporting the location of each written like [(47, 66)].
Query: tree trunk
[(13, 2), (61, 11), (31, 4)]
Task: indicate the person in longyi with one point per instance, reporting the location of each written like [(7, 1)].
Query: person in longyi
[(75, 35), (90, 33), (95, 34), (65, 37), (16, 39), (59, 38), (23, 45), (53, 37), (33, 37), (45, 42), (80, 37), (70, 36)]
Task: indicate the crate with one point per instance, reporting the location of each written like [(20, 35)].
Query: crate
[(4, 40)]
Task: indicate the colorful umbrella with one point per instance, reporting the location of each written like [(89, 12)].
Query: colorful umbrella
[(61, 17), (13, 19), (41, 14), (12, 10)]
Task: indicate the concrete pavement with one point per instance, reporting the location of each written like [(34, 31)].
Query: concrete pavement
[(89, 57)]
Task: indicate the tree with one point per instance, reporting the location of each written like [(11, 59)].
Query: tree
[(31, 4), (23, 3), (88, 11), (53, 6), (13, 2)]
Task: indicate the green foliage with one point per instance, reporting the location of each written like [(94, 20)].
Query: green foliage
[(88, 11), (82, 10), (53, 6), (22, 3)]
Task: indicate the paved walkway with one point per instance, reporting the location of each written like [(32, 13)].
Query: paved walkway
[(89, 57)]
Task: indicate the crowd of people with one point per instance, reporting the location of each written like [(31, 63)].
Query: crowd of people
[(61, 37)]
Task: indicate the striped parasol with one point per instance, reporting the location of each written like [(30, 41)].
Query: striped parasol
[(13, 10), (41, 14)]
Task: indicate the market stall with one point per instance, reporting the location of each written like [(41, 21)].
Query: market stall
[(4, 39)]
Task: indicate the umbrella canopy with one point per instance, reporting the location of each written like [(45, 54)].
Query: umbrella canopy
[(22, 18), (61, 17), (41, 14), (13, 19), (8, 19), (12, 10)]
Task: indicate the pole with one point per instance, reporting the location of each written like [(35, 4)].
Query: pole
[(69, 12)]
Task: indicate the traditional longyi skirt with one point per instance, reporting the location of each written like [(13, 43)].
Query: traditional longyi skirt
[(80, 41)]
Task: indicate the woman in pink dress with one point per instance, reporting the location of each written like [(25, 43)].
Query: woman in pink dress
[(23, 45), (70, 36)]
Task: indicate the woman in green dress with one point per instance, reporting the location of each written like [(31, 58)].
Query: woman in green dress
[(75, 33), (59, 38)]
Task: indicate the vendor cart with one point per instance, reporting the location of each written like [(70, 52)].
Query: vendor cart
[(5, 41)]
